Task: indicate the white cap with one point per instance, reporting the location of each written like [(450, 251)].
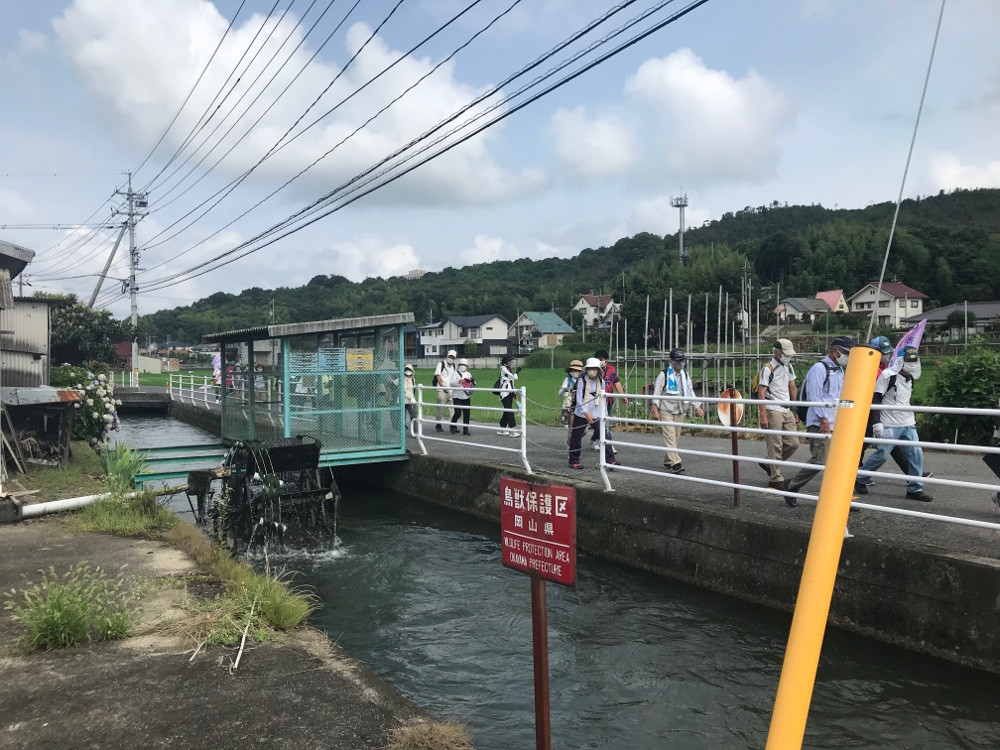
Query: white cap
[(452, 353), (463, 362), (594, 363), (785, 346)]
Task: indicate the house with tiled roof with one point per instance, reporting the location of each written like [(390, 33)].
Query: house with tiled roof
[(893, 305), (596, 309), (539, 329), (800, 309), (835, 300), (983, 315), (489, 332)]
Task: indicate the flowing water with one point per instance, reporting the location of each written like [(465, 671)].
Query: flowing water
[(636, 661)]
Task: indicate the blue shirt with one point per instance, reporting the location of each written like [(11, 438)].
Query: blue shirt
[(819, 389)]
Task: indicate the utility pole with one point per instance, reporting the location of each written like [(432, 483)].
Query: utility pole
[(681, 203), (136, 202)]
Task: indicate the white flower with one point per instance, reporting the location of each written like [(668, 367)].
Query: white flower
[(108, 418), (109, 407), (101, 392), (90, 402), (102, 378), (95, 415), (118, 402)]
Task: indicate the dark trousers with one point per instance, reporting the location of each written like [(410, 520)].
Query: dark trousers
[(507, 418), (596, 436), (576, 437), (461, 410), (411, 409)]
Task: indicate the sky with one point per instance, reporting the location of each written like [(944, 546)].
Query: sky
[(214, 106)]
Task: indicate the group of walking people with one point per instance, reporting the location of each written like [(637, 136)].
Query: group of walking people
[(893, 387), (453, 388)]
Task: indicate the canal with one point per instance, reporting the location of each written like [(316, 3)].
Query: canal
[(637, 661)]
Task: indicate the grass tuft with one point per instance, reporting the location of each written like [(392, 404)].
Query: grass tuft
[(430, 735), (279, 606), (82, 605), (124, 514)]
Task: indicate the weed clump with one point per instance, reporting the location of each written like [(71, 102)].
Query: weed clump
[(127, 514), (82, 605), (429, 735)]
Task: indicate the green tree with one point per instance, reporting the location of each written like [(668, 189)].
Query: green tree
[(81, 335)]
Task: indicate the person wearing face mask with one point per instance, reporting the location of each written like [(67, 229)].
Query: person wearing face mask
[(461, 396), (894, 388), (824, 381), (408, 398), (777, 383), (673, 381), (443, 375), (508, 425), (897, 454), (587, 412)]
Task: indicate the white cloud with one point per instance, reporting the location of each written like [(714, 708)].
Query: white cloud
[(710, 125), (656, 215), (948, 172), (14, 207), (597, 147), (28, 43), (142, 59), (486, 249), (369, 256)]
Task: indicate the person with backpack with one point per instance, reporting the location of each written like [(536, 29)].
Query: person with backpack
[(824, 382), (567, 391), (673, 381), (776, 382), (461, 396), (587, 412), (504, 388), (408, 392), (894, 387), (444, 373)]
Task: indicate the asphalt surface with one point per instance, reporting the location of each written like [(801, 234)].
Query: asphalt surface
[(548, 456)]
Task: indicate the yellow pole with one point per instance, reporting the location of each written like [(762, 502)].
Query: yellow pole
[(798, 674)]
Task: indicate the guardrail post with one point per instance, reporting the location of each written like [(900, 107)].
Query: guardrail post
[(812, 608), (523, 408), (602, 428), (420, 417)]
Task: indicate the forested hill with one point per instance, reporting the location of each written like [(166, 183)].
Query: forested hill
[(947, 246)]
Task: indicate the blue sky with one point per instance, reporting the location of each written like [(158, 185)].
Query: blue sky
[(736, 104)]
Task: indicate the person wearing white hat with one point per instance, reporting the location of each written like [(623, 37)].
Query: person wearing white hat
[(776, 382), (408, 398), (461, 396), (443, 375), (587, 412)]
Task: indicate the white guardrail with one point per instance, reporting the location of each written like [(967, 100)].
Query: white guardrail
[(126, 379), (417, 425), (729, 458), (193, 389)]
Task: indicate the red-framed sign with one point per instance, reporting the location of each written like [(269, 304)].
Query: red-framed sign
[(538, 529)]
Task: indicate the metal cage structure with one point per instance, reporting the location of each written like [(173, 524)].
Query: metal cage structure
[(337, 382)]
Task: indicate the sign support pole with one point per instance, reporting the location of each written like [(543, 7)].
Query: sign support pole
[(540, 646), (736, 469)]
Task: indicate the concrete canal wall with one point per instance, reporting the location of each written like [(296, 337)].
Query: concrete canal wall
[(199, 416), (927, 600)]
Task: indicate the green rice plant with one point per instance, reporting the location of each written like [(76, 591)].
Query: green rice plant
[(127, 514), (81, 605), (121, 464)]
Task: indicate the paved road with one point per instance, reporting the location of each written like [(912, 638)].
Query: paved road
[(548, 455)]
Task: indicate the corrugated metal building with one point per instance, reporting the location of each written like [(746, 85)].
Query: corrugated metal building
[(26, 343)]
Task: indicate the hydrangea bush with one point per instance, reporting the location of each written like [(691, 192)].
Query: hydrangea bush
[(97, 416)]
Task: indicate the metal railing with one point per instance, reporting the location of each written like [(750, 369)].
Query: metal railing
[(604, 467), (125, 379), (417, 424), (193, 389)]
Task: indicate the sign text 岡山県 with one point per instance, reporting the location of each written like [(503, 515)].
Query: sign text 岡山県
[(538, 529)]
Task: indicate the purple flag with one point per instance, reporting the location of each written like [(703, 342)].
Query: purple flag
[(912, 338)]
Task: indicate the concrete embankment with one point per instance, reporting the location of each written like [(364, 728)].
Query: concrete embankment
[(147, 691), (919, 597), (207, 419)]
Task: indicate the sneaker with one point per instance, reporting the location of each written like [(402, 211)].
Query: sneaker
[(454, 430), (777, 485), (466, 431), (502, 432), (766, 469), (861, 488), (927, 474), (576, 466), (438, 428), (791, 502), (995, 497), (677, 468), (614, 463), (614, 450), (919, 496), (514, 433), (594, 444)]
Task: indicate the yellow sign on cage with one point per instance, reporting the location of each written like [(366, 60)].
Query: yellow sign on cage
[(360, 359)]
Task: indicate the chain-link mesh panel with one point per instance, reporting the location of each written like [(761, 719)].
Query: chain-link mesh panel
[(343, 390)]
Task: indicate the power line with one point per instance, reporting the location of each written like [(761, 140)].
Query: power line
[(203, 268), (193, 87)]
